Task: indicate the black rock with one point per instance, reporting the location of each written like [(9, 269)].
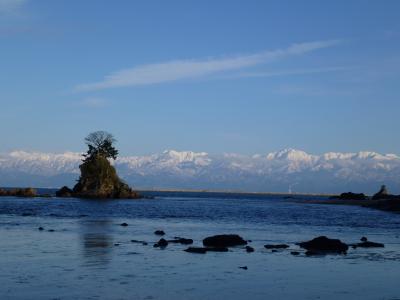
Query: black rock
[(325, 245), (224, 240), (182, 241), (363, 239), (40, 228), (51, 230), (295, 253), (200, 250), (277, 246), (159, 232), (64, 192), (161, 243), (116, 244), (352, 196), (244, 268), (368, 244), (139, 242), (249, 249), (124, 224)]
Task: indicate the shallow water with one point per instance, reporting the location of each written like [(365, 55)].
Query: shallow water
[(90, 256)]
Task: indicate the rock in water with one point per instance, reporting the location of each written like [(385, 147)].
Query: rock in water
[(99, 179), (64, 192), (199, 250), (278, 246), (352, 196), (224, 240), (325, 245), (249, 249)]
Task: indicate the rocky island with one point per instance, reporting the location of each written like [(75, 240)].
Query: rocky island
[(99, 178)]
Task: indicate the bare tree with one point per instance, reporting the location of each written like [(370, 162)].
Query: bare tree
[(100, 143)]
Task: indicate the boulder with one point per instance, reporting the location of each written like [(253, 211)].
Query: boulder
[(182, 241), (200, 250), (203, 250), (277, 246), (161, 243), (224, 240), (323, 244), (368, 244), (249, 249), (159, 232)]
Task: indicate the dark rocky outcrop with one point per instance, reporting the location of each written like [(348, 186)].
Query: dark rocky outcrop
[(19, 192), (224, 240), (182, 241), (123, 224), (351, 196), (203, 250), (277, 246), (64, 192), (159, 232), (200, 250), (249, 249), (98, 179), (324, 245), (367, 244), (162, 243)]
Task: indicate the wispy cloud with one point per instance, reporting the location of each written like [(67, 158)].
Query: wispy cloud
[(11, 7), (289, 72), (186, 69)]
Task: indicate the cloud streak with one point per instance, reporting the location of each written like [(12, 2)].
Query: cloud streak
[(188, 69)]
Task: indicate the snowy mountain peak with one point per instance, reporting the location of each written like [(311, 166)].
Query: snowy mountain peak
[(290, 154), (329, 172)]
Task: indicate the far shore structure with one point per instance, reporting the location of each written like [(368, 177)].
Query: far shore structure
[(99, 178)]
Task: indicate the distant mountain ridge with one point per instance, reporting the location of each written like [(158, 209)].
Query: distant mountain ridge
[(280, 171)]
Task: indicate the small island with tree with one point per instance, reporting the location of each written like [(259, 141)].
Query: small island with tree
[(99, 178)]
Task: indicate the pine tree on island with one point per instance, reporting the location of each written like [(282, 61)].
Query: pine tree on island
[(99, 178)]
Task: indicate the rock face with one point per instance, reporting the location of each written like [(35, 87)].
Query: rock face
[(324, 245), (224, 240), (98, 180)]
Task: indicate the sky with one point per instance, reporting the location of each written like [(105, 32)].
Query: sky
[(216, 76)]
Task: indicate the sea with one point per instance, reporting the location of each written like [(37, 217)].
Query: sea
[(83, 252)]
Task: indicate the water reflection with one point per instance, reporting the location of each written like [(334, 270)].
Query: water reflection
[(97, 242)]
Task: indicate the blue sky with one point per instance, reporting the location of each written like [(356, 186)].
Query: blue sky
[(216, 76)]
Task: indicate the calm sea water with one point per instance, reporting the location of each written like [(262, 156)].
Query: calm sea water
[(90, 256)]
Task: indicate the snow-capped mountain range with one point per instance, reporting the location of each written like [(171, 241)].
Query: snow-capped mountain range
[(280, 171)]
